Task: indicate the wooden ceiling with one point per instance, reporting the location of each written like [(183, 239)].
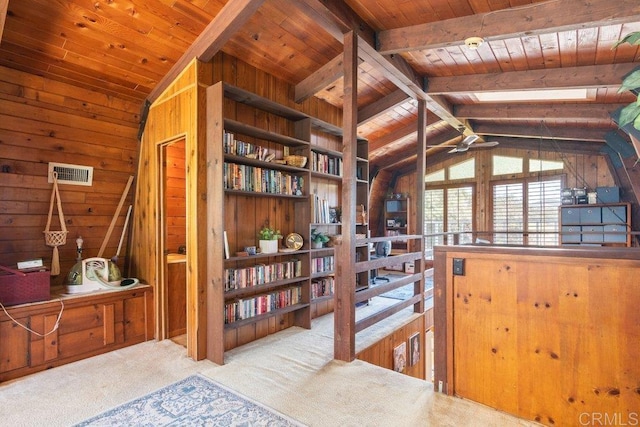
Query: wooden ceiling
[(409, 50)]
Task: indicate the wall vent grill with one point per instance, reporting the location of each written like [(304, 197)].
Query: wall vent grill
[(71, 174)]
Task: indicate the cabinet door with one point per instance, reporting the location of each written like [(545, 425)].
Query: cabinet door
[(14, 346), (590, 215), (570, 216), (614, 214)]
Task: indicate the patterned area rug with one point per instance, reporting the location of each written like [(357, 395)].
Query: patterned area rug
[(194, 401)]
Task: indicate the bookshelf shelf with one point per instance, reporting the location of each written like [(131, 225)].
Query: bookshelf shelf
[(261, 317)]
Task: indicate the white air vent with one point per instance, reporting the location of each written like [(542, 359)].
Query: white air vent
[(71, 174)]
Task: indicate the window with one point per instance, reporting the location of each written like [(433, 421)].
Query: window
[(463, 170), (503, 165), (526, 212), (448, 210)]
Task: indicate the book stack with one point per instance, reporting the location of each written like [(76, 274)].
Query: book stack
[(322, 264), (326, 164), (240, 148), (251, 307), (322, 287), (320, 210), (238, 278)]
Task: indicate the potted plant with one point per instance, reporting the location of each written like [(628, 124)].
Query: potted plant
[(269, 240), (318, 238)]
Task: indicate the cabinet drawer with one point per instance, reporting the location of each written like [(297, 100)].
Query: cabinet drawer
[(590, 215), (571, 238), (592, 238), (570, 216), (614, 214), (615, 238)]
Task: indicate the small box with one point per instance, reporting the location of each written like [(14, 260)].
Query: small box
[(409, 267), (617, 236), (592, 234), (566, 192), (21, 287), (614, 214), (570, 216), (608, 194), (567, 200), (579, 192), (571, 234), (581, 200), (590, 215)]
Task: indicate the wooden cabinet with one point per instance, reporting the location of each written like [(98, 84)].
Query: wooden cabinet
[(90, 324), (596, 224), (396, 221)]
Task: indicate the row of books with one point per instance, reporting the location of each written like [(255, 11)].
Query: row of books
[(251, 307), (326, 164), (238, 278), (322, 264), (231, 145), (322, 287), (261, 180), (320, 211)]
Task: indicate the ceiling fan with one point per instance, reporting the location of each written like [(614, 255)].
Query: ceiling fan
[(468, 142)]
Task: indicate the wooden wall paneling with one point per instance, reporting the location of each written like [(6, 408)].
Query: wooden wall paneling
[(551, 333), (176, 200), (381, 352), (35, 128)]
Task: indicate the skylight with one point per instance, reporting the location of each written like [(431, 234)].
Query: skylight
[(533, 95)]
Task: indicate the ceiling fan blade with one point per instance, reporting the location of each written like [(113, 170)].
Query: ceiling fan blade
[(455, 150), (470, 139), (485, 144)]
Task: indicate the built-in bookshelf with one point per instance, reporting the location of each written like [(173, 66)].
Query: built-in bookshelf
[(396, 221), (251, 183)]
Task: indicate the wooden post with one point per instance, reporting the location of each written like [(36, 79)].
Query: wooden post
[(344, 311)]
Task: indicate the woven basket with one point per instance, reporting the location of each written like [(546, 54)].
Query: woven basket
[(297, 161), (55, 238)]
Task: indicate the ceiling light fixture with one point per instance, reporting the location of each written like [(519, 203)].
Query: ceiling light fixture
[(473, 42)]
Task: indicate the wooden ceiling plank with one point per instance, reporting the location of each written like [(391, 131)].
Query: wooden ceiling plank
[(536, 111), (382, 106), (231, 18), (539, 18), (593, 76)]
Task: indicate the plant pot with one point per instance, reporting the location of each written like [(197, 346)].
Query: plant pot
[(268, 246), (316, 245)]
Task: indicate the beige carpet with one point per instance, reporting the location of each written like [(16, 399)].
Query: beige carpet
[(292, 371)]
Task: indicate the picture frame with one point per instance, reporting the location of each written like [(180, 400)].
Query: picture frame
[(251, 250), (391, 223), (414, 349), (400, 357)]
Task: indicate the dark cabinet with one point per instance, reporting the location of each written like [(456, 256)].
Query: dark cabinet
[(601, 224)]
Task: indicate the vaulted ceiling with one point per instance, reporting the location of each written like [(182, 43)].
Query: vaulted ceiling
[(409, 50)]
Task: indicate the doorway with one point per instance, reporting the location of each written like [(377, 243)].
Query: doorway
[(173, 234)]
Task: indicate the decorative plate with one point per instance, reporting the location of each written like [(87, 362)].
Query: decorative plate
[(293, 241)]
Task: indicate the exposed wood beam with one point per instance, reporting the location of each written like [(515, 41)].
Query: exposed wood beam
[(329, 73), (573, 147), (406, 154), (226, 23), (380, 107), (593, 76), (534, 19), (405, 132), (535, 132), (536, 111), (4, 4), (394, 67)]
